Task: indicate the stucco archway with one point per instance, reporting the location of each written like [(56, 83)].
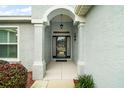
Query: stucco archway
[(57, 35), (54, 12), (57, 10), (40, 62)]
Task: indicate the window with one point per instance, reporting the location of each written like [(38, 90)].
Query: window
[(8, 42)]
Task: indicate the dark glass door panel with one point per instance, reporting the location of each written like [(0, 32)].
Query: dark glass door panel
[(61, 47)]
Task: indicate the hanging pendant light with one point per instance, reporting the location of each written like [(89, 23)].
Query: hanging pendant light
[(61, 25)]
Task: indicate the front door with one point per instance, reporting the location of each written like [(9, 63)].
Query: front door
[(61, 47)]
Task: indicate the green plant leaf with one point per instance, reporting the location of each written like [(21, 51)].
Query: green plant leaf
[(85, 81)]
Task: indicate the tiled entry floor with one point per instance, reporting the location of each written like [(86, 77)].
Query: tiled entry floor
[(61, 71)]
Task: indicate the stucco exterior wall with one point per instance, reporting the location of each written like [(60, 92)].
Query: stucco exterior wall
[(48, 45), (104, 55), (39, 10), (26, 43)]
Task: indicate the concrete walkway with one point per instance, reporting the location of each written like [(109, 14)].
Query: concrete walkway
[(53, 84), (60, 71), (58, 75)]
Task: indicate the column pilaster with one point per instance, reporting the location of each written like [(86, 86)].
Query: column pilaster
[(80, 62), (39, 65)]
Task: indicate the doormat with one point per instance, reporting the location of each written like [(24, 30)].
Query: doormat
[(61, 60)]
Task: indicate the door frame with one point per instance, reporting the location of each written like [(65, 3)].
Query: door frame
[(67, 58)]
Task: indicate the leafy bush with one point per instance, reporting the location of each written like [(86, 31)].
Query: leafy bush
[(13, 76), (85, 81), (3, 62)]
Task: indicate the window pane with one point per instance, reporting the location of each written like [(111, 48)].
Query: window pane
[(8, 35), (12, 37), (12, 50), (3, 51), (3, 36)]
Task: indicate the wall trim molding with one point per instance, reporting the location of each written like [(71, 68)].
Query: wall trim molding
[(82, 10), (15, 19)]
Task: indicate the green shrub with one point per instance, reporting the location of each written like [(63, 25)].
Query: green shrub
[(3, 62), (13, 76), (85, 81)]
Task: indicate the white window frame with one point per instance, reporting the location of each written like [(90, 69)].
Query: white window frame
[(17, 58)]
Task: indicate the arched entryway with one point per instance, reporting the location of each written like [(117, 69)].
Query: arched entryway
[(61, 31), (60, 36), (55, 39), (61, 65)]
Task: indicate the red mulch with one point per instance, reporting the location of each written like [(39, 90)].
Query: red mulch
[(29, 80)]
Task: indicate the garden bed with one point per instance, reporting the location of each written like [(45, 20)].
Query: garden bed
[(14, 76), (30, 81)]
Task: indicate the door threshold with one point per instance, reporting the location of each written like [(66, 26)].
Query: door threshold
[(61, 60)]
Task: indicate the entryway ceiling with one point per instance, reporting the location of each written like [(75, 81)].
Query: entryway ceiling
[(64, 18)]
